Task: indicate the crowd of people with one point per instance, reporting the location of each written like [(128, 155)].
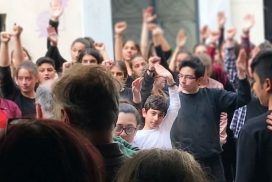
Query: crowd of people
[(151, 113)]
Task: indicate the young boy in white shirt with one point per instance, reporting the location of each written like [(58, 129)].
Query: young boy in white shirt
[(159, 119)]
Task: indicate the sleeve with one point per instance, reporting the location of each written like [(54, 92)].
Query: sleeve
[(246, 156), (8, 87), (229, 101), (230, 65), (173, 109), (54, 24), (245, 44), (163, 56), (147, 86), (222, 37), (53, 53)]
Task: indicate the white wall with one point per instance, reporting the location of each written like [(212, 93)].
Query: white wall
[(33, 16), (240, 8), (97, 22), (235, 10)]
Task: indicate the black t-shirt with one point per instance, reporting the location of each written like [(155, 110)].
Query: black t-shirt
[(196, 128), (254, 151), (11, 91)]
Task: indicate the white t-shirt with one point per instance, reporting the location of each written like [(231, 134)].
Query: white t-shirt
[(160, 137)]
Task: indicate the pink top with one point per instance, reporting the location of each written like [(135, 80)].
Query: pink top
[(10, 108)]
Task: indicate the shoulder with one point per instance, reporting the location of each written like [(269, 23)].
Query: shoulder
[(255, 125)]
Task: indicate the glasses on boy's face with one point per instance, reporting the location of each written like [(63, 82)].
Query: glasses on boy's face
[(130, 130), (186, 77)]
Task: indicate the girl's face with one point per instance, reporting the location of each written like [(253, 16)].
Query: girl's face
[(118, 74), (76, 49), (88, 60), (129, 50), (138, 66), (201, 49), (46, 72), (26, 81)]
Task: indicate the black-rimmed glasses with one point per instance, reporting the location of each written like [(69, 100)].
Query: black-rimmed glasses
[(186, 77), (128, 130)]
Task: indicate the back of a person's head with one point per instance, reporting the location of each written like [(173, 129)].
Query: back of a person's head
[(44, 97), (262, 65), (159, 165), (156, 102), (90, 94), (130, 109), (49, 151)]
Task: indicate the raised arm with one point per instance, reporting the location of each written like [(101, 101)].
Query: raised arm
[(4, 49), (147, 18), (248, 23), (101, 47), (230, 57), (149, 77), (174, 105), (18, 56), (221, 19), (119, 28), (180, 44)]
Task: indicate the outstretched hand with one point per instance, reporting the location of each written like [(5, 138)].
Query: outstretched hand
[(161, 71), (181, 38), (241, 64), (215, 36), (56, 9), (120, 27), (99, 46), (204, 33), (248, 22), (17, 30), (148, 15), (5, 37), (152, 61), (221, 18), (231, 33)]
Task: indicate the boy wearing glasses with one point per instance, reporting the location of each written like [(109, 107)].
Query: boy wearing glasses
[(196, 128), (158, 117)]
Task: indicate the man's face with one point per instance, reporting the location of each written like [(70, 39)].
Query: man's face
[(26, 81), (260, 90), (128, 122), (153, 118), (187, 80)]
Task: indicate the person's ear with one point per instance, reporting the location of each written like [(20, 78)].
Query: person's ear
[(200, 80), (144, 112), (267, 85), (39, 113)]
